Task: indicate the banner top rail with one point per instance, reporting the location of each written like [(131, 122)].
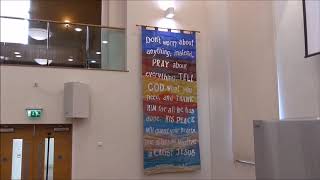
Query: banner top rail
[(157, 27)]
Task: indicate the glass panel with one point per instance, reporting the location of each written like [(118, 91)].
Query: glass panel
[(67, 45), (17, 146), (24, 45), (14, 37), (3, 56), (36, 51), (94, 52), (106, 49), (114, 51), (49, 158), (14, 30)]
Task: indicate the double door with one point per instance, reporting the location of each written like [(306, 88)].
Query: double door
[(35, 152)]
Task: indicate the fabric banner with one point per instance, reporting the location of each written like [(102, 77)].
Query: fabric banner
[(171, 137)]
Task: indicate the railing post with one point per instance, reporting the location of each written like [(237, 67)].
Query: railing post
[(48, 36), (87, 46)]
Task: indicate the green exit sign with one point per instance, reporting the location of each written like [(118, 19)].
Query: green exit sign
[(34, 113)]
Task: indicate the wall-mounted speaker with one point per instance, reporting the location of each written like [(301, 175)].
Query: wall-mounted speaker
[(76, 100)]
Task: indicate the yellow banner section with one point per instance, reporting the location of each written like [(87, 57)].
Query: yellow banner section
[(183, 90)]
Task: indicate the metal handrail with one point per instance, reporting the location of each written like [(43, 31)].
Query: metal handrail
[(60, 22)]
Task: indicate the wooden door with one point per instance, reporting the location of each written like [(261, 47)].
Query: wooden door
[(15, 152), (45, 152), (54, 154)]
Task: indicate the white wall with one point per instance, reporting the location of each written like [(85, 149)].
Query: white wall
[(253, 71), (299, 78), (113, 13), (189, 15), (220, 95)]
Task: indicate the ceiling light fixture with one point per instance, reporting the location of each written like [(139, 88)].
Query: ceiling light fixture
[(93, 61), (78, 29), (16, 53), (39, 34), (104, 42), (169, 13), (67, 25), (98, 52), (18, 56), (70, 59), (42, 61)]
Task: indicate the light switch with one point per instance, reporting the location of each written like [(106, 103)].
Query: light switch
[(100, 144)]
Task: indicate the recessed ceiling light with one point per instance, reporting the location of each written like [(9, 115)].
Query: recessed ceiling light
[(18, 56), (98, 52), (93, 61), (78, 29), (70, 59), (16, 53), (1, 57), (104, 42)]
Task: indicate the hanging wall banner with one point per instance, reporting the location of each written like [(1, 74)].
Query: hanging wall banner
[(171, 137)]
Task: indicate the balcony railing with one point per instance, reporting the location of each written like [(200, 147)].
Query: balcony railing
[(62, 44)]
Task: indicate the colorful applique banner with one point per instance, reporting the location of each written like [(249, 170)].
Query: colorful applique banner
[(171, 137)]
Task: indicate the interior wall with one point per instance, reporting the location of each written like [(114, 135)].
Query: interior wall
[(299, 82), (113, 13), (223, 166), (189, 15), (253, 71), (117, 13)]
